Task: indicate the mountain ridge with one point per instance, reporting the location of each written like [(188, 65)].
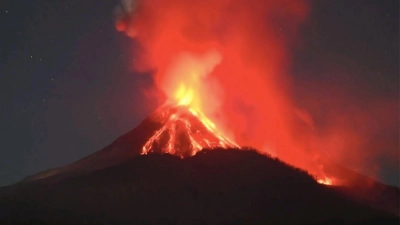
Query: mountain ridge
[(213, 187), (175, 168), (134, 142)]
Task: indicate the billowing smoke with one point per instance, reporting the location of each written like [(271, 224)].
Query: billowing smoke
[(234, 55), (123, 12)]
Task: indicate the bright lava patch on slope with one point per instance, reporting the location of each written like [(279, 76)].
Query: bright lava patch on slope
[(185, 132), (325, 181)]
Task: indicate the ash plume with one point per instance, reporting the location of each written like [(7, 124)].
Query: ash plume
[(246, 89)]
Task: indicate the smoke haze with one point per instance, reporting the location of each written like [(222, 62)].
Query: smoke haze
[(242, 49)]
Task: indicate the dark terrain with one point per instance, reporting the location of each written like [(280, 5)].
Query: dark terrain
[(212, 187)]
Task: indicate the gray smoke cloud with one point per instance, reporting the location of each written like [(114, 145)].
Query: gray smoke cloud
[(125, 8)]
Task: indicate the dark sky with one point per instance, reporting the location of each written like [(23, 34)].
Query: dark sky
[(67, 88)]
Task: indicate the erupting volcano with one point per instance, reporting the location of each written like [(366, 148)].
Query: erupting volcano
[(178, 167), (228, 70), (220, 76)]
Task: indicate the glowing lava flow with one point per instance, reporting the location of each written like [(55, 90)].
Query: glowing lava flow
[(184, 133), (325, 181), (185, 130)]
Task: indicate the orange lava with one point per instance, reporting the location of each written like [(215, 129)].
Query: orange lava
[(325, 181), (185, 132)]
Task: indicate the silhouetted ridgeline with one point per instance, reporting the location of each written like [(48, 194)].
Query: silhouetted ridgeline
[(213, 187)]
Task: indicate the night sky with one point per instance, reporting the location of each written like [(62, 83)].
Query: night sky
[(67, 88)]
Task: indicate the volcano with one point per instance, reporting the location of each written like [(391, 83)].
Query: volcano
[(176, 168), (177, 130)]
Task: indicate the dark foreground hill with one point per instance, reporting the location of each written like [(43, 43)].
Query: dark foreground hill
[(212, 187)]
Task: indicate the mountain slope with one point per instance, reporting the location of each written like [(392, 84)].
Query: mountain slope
[(212, 187), (158, 173), (176, 130)]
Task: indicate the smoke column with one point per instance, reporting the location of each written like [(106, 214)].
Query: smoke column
[(235, 57)]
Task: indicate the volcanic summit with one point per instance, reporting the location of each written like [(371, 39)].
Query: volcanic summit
[(172, 129), (184, 132)]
